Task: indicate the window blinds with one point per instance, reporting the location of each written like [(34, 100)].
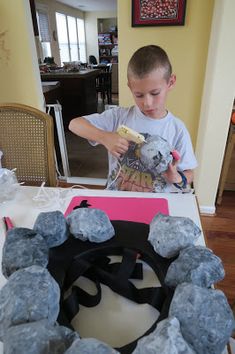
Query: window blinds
[(43, 26)]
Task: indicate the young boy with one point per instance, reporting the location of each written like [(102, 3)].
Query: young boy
[(150, 78)]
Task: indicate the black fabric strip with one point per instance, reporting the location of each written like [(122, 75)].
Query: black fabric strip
[(128, 264), (76, 258), (80, 296), (137, 272), (125, 288), (77, 269)]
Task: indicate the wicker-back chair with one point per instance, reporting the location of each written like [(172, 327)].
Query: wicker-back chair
[(27, 143)]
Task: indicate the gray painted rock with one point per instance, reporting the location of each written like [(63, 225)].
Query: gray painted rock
[(165, 339), (38, 338), (197, 265), (155, 154), (31, 294), (205, 317), (169, 234), (90, 346), (90, 224), (53, 227), (23, 248)]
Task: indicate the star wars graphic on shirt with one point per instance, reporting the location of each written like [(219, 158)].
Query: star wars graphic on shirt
[(131, 175)]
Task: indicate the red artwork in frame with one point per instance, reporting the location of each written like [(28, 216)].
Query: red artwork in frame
[(158, 12)]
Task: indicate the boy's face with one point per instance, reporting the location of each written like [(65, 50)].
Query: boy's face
[(150, 92)]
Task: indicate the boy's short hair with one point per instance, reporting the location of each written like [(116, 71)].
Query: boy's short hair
[(148, 58)]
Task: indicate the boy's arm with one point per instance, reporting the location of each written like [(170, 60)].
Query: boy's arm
[(173, 176), (189, 175), (115, 144)]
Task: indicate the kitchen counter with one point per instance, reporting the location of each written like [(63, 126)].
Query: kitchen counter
[(75, 74), (78, 94), (51, 91)]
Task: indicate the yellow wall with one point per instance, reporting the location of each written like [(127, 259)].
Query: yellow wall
[(20, 80), (187, 48)]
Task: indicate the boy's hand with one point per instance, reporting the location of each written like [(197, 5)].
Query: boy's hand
[(172, 175), (115, 144)]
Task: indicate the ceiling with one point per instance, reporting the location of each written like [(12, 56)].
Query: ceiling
[(92, 5)]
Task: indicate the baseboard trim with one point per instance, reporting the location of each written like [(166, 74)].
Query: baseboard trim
[(206, 209), (87, 181)]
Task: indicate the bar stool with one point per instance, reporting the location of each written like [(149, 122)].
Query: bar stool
[(227, 158), (104, 83)]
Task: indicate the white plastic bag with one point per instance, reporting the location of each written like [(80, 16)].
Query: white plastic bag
[(8, 183)]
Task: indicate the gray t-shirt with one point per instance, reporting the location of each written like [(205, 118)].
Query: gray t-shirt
[(128, 173)]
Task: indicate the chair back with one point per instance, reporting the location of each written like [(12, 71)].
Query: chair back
[(107, 68), (27, 143), (104, 86), (92, 60)]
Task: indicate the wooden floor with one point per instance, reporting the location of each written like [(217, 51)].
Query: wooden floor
[(84, 159), (219, 231)]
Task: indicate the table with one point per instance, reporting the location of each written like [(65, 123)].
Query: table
[(23, 211), (50, 85), (78, 94)]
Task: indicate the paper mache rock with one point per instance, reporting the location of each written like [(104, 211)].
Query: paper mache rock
[(155, 154), (37, 338), (90, 346), (205, 317), (53, 227), (31, 294), (169, 234), (22, 248), (165, 339), (90, 224), (197, 265)]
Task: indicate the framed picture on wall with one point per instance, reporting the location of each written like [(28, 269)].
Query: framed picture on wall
[(158, 12)]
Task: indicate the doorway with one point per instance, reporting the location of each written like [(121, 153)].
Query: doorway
[(87, 162)]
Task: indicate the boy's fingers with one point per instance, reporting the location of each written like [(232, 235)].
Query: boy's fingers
[(174, 163), (116, 154), (122, 140), (176, 155)]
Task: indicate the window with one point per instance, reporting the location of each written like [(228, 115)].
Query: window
[(71, 38), (82, 40), (62, 37), (44, 33)]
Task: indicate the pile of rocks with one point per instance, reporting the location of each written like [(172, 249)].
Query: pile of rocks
[(200, 319)]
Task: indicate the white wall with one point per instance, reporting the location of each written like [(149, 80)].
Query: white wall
[(91, 30), (217, 103)]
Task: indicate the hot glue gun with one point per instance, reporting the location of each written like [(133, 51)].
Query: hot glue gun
[(130, 134)]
